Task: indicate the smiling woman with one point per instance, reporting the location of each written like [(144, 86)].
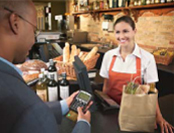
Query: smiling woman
[(127, 62)]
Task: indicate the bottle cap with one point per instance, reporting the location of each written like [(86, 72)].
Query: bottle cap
[(41, 75), (46, 73), (51, 62), (64, 74), (42, 70)]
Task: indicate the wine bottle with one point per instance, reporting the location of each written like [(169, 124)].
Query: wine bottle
[(46, 79), (52, 70), (42, 70), (64, 87), (41, 88), (52, 89), (120, 3), (110, 3)]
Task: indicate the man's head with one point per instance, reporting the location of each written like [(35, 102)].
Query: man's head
[(17, 27)]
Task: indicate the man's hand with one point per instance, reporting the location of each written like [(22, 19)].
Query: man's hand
[(70, 98), (86, 116), (164, 125)]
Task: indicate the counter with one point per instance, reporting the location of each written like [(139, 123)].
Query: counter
[(107, 122)]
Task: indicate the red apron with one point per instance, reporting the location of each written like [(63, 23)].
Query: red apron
[(118, 79)]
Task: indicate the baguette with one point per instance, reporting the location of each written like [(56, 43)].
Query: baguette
[(73, 53), (83, 56), (66, 53), (78, 51), (91, 53)]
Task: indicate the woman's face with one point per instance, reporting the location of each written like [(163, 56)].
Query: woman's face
[(124, 33)]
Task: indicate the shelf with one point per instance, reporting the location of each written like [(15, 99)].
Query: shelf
[(137, 11), (152, 6)]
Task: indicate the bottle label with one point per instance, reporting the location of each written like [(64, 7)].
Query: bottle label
[(52, 94), (64, 92), (42, 94), (55, 75)]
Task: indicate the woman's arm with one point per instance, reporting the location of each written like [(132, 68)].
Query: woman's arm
[(164, 125), (105, 85)]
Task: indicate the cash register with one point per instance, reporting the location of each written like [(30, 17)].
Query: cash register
[(47, 46)]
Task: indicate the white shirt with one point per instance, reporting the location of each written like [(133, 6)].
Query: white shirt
[(148, 64)]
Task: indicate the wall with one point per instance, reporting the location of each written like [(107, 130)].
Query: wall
[(154, 28), (57, 8), (40, 14)]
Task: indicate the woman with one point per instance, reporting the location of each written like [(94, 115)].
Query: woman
[(129, 62)]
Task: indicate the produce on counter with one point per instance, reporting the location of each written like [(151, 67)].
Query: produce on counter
[(163, 52)]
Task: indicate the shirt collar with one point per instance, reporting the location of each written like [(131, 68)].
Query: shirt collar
[(136, 51), (12, 65)]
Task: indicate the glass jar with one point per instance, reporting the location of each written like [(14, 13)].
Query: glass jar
[(96, 5), (101, 4), (143, 2)]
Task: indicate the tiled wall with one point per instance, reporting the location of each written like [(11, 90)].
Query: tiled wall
[(153, 30)]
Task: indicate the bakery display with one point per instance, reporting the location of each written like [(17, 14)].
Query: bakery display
[(66, 65)]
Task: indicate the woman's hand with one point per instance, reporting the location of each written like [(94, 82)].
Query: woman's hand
[(164, 125)]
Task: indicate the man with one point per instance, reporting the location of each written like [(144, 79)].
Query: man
[(21, 110)]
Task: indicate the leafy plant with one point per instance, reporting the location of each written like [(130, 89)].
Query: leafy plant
[(131, 88)]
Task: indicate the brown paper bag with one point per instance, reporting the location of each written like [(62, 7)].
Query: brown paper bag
[(138, 112)]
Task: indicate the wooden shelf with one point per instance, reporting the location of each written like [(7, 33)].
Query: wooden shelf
[(142, 7)]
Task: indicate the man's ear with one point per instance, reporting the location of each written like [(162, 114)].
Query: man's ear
[(14, 23)]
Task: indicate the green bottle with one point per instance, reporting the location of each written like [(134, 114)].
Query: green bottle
[(52, 89), (41, 88), (64, 87)]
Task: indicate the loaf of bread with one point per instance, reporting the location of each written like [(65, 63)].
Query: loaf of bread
[(34, 65), (29, 77), (73, 53), (78, 51), (66, 53), (82, 57), (81, 54), (91, 53)]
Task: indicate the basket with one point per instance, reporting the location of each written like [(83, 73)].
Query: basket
[(163, 59), (69, 68)]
